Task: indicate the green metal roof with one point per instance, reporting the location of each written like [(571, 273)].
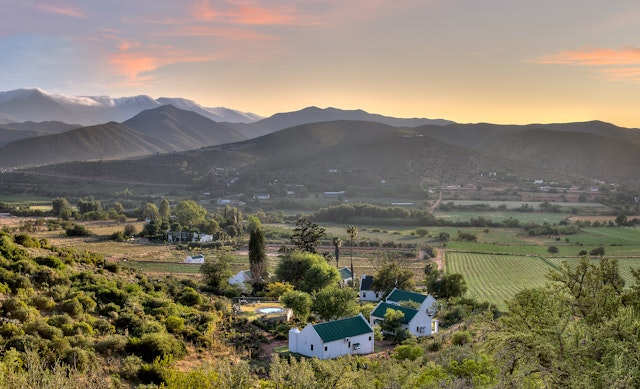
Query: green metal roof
[(382, 308), (398, 295), (343, 328), (345, 273)]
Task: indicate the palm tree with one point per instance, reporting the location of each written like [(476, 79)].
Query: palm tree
[(337, 242), (353, 233)]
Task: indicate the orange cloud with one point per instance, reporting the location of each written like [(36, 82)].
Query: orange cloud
[(135, 67), (594, 57), (60, 8)]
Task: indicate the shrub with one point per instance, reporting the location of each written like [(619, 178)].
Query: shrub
[(552, 250), (50, 261), (174, 324), (461, 338), (407, 351), (112, 345), (77, 358), (156, 345)]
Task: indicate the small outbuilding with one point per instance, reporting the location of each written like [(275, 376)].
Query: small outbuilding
[(197, 259)]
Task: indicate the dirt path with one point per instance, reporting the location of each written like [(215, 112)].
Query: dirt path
[(436, 204)]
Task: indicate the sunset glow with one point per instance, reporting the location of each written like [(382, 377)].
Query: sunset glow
[(467, 61)]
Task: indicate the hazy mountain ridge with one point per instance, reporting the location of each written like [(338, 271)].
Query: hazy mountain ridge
[(37, 105), (103, 141), (333, 156)]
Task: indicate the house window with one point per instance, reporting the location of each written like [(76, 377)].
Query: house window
[(364, 294), (349, 344), (369, 338), (325, 348), (311, 347)]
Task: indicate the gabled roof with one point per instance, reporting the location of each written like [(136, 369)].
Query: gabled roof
[(382, 308), (344, 328), (398, 295), (345, 273), (366, 283)]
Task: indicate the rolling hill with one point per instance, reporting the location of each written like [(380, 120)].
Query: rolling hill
[(16, 131), (335, 156), (159, 130)]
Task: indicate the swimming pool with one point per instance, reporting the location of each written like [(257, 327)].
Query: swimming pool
[(270, 310)]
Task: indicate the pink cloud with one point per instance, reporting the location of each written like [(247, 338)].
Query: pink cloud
[(135, 66), (594, 57), (61, 8)]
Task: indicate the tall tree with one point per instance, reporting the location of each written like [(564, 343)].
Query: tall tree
[(307, 235), (165, 210), (337, 243), (353, 234), (257, 259), (299, 302), (216, 272)]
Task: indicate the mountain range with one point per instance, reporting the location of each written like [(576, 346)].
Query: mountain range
[(37, 105), (323, 149)]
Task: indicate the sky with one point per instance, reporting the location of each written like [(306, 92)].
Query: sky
[(497, 61)]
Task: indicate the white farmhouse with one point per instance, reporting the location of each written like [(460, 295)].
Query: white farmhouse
[(333, 339), (419, 321), (427, 302), (240, 279), (366, 293)]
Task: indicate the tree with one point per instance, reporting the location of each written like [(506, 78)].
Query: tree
[(216, 272), (257, 259), (597, 251), (275, 290), (392, 321), (61, 207), (319, 276), (164, 210), (299, 302), (307, 235), (293, 267), (150, 212), (189, 213), (392, 276), (353, 234), (443, 285), (337, 243), (422, 232), (253, 223), (552, 250), (579, 331), (621, 220), (333, 302), (444, 237)]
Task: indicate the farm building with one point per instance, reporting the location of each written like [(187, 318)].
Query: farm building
[(333, 339), (198, 259), (419, 321), (366, 293), (240, 278), (345, 275)]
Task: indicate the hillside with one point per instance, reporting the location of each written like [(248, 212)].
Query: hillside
[(105, 141), (159, 130), (15, 131), (335, 156), (182, 130)]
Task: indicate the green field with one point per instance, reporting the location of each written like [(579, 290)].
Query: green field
[(496, 278)]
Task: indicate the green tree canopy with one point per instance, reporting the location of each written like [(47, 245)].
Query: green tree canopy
[(306, 271), (189, 213), (299, 302), (334, 302), (390, 276)]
